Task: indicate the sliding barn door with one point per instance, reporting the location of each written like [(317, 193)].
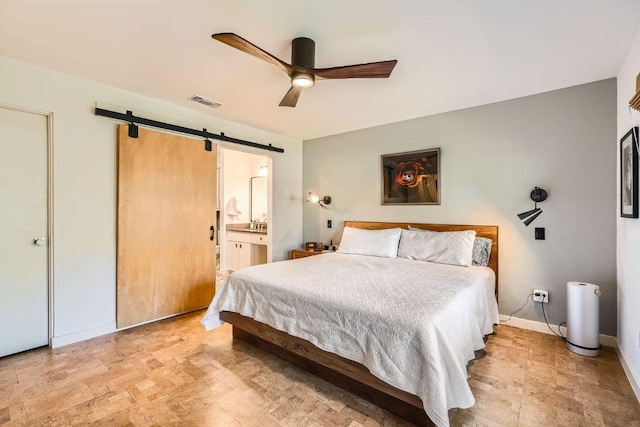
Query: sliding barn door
[(166, 208)]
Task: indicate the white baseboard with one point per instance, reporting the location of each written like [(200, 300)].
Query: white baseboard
[(82, 335), (97, 331), (633, 379), (533, 325)]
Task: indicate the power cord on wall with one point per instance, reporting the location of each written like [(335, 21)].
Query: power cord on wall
[(523, 305), (560, 330), (549, 326), (545, 318)]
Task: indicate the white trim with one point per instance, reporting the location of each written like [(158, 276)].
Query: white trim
[(533, 325), (82, 335), (50, 212), (108, 328), (25, 109), (633, 379)]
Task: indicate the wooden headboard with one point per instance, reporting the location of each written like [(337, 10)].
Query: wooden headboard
[(488, 231)]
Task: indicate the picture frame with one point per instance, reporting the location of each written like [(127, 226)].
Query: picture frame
[(411, 178), (629, 174)]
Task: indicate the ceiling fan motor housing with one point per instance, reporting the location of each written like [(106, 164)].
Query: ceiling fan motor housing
[(303, 52)]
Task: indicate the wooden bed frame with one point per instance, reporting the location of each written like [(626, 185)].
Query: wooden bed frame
[(344, 373)]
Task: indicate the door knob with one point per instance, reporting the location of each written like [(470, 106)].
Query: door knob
[(39, 241)]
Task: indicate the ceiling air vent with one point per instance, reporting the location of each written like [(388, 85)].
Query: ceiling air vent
[(204, 101)]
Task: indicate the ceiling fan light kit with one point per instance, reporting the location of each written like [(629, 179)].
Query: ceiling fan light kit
[(302, 71), (303, 80)]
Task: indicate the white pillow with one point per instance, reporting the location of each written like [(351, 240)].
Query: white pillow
[(446, 247), (382, 243)]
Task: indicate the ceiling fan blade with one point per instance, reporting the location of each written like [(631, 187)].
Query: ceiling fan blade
[(291, 98), (371, 70), (246, 46)]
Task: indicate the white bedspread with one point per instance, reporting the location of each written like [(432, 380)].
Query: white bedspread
[(414, 324)]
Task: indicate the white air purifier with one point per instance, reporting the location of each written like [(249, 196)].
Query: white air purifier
[(583, 318)]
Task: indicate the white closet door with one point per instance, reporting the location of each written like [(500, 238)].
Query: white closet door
[(24, 315)]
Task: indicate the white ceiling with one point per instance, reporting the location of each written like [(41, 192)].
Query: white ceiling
[(451, 54)]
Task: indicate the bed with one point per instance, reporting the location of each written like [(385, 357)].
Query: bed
[(402, 342)]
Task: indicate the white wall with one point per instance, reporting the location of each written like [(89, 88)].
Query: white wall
[(85, 186), (492, 157), (628, 236)]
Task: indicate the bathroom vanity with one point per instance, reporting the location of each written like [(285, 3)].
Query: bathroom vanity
[(245, 246)]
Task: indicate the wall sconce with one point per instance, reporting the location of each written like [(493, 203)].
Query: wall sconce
[(537, 195), (314, 198), (263, 171)]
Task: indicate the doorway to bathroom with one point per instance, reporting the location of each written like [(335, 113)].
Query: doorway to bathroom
[(244, 209)]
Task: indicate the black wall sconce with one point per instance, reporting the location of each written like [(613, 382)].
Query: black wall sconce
[(322, 201), (537, 195)]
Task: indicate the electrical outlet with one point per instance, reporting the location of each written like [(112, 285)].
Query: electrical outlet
[(329, 223), (540, 295)]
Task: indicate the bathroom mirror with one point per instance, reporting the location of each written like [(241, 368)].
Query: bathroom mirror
[(258, 208)]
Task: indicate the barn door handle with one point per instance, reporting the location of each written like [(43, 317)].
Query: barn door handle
[(212, 230)]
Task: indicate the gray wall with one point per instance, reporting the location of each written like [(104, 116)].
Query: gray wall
[(492, 157)]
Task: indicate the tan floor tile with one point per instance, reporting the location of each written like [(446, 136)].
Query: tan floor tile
[(8, 376), (152, 414), (56, 401), (493, 409), (100, 407), (592, 415), (5, 415), (244, 405), (535, 413), (114, 380), (212, 416)]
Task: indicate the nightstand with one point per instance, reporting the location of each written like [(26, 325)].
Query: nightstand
[(301, 253)]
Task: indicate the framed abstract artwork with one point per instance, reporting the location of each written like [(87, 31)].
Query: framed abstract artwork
[(411, 178), (629, 174)]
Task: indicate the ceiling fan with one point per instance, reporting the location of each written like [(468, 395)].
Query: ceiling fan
[(301, 70)]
